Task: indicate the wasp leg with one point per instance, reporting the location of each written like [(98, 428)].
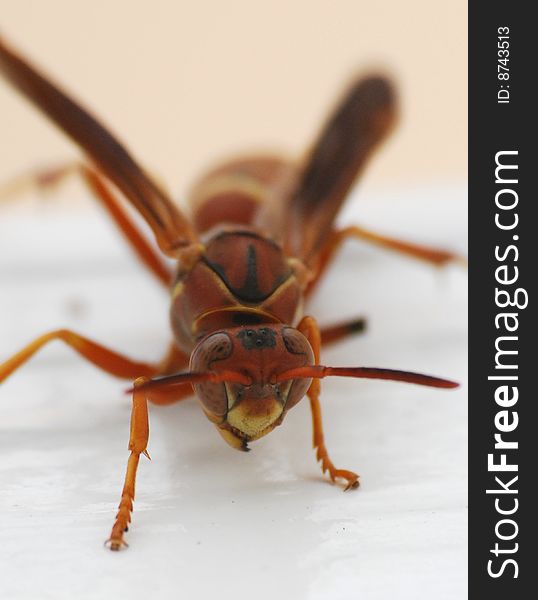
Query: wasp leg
[(434, 256), (103, 358), (309, 328), (47, 178), (138, 442), (120, 366), (335, 333)]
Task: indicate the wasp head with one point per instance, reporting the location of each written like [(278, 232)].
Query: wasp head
[(248, 409)]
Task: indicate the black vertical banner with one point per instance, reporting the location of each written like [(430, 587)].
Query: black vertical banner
[(503, 268)]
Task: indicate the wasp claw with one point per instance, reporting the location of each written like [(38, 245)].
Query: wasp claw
[(115, 544)]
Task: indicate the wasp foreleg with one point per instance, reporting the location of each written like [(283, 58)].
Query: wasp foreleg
[(138, 442), (309, 328)]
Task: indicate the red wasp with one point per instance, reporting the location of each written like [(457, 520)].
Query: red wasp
[(261, 236)]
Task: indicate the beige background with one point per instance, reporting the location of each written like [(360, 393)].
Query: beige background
[(184, 83)]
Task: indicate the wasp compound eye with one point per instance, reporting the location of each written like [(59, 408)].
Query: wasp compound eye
[(205, 357)]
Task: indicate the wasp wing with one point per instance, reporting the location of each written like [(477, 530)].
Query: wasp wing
[(170, 227), (361, 120)]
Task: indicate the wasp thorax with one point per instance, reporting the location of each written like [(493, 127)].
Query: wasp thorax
[(259, 353)]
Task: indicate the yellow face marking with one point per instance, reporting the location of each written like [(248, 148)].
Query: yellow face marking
[(254, 420)]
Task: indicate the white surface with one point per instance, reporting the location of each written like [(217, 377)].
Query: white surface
[(210, 522)]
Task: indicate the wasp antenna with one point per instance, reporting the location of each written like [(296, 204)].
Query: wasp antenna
[(181, 379), (319, 371)]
